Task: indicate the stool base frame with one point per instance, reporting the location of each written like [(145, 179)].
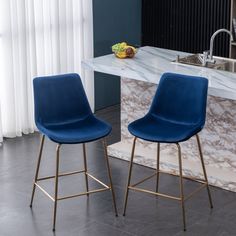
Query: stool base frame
[(55, 198), (181, 198)]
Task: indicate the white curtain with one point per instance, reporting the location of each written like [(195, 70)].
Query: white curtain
[(39, 37)]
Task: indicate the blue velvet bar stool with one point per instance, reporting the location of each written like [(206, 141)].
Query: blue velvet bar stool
[(63, 114), (177, 113)]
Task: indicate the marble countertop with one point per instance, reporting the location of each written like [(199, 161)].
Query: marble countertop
[(150, 63)]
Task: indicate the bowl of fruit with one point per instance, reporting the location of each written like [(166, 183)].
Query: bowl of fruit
[(123, 50)]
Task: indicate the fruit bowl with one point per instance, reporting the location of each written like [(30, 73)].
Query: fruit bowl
[(123, 50)]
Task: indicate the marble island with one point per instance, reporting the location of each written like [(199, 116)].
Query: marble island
[(139, 79)]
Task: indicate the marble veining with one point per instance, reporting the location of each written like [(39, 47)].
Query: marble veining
[(216, 177), (217, 137)]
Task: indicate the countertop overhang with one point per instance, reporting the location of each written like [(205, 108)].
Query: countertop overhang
[(151, 62)]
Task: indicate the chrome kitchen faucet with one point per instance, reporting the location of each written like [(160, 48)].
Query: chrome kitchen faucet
[(208, 55)]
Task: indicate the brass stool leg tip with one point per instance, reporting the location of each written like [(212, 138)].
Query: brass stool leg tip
[(184, 229), (53, 229), (30, 205)]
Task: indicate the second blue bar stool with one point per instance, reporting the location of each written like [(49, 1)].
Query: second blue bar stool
[(177, 113)]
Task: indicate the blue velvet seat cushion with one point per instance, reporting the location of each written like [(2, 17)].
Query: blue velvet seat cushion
[(62, 110), (81, 131), (155, 129), (178, 110)]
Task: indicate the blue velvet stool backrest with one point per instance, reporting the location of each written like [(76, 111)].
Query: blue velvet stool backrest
[(59, 99), (181, 99)]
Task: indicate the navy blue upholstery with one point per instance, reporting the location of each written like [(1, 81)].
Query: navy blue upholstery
[(62, 111), (178, 110)]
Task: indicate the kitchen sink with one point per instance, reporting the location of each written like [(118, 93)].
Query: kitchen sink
[(220, 63)]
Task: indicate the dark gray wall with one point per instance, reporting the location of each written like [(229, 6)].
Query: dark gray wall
[(186, 25), (114, 21)]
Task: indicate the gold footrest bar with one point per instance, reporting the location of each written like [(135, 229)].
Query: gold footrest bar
[(195, 191), (170, 173), (60, 175), (45, 192), (106, 187), (184, 176), (72, 196), (141, 181), (204, 184), (154, 193), (97, 180), (84, 193)]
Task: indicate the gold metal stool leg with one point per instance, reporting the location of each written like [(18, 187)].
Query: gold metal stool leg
[(56, 187), (158, 166), (129, 176), (109, 175), (37, 168), (204, 170), (181, 185), (85, 167)]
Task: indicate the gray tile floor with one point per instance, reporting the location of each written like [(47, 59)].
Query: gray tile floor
[(146, 215)]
